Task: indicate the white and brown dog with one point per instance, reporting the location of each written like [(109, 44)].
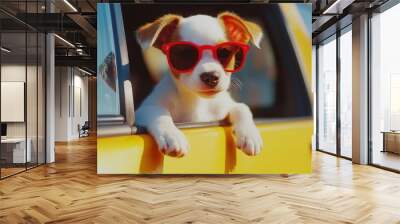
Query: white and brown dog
[(202, 53)]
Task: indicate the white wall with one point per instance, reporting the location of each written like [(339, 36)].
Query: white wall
[(33, 126), (84, 85), (11, 73), (71, 94), (16, 73), (62, 81)]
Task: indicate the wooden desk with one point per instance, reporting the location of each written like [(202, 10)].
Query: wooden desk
[(391, 141)]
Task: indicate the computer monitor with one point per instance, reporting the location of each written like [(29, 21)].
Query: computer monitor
[(3, 129)]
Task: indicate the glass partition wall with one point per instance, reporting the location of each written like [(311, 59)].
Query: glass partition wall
[(327, 95), (334, 86), (22, 78), (345, 93), (385, 89)]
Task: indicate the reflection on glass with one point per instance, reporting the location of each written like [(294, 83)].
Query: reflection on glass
[(327, 96), (346, 94), (13, 85), (22, 91), (386, 89), (107, 81), (261, 85)]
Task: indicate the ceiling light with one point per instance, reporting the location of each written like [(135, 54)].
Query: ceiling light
[(5, 50), (84, 71), (65, 41), (70, 5), (337, 7), (79, 51), (326, 11)]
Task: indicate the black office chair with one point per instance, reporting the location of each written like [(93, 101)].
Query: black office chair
[(84, 130)]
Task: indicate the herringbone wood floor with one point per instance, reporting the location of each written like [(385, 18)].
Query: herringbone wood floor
[(69, 191)]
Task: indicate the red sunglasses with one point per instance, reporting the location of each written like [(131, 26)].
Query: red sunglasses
[(183, 56)]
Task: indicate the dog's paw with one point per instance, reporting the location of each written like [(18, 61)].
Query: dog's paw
[(172, 142), (248, 139)]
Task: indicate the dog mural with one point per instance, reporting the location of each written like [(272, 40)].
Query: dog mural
[(203, 52)]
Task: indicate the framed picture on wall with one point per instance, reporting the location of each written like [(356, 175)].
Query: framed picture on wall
[(204, 88)]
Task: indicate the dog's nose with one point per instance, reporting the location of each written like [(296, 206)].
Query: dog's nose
[(210, 79)]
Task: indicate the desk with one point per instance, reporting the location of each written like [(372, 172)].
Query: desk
[(13, 150), (391, 141)]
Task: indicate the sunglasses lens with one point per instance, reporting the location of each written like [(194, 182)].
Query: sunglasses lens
[(230, 56), (183, 56)]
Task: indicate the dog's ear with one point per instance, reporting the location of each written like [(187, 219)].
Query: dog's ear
[(238, 29), (158, 32)]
